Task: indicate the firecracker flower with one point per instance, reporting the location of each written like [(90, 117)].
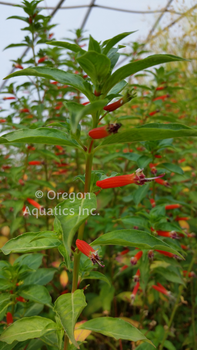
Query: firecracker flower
[(162, 182), (172, 234), (168, 254), (87, 250), (135, 289), (35, 162), (9, 318), (126, 98), (136, 277), (104, 131), (190, 274), (151, 254), (34, 203), (135, 258), (172, 206), (161, 289), (137, 178)]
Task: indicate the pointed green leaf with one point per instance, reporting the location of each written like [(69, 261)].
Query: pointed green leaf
[(42, 135), (28, 328), (95, 275), (66, 45), (114, 327), (91, 108), (36, 293), (31, 241), (148, 134), (72, 214), (133, 238), (113, 41), (93, 45), (169, 275), (68, 307), (96, 65), (59, 75), (135, 67), (171, 167)]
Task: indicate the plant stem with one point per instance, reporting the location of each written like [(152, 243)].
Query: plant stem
[(175, 307), (82, 227), (66, 342)]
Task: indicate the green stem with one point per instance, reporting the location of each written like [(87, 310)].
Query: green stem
[(82, 227), (175, 307)]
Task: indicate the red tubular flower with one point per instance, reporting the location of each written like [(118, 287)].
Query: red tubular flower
[(135, 258), (51, 35), (21, 299), (59, 147), (172, 206), (2, 120), (85, 103), (161, 289), (54, 82), (171, 234), (154, 112), (185, 218), (137, 178), (9, 318), (87, 250), (113, 106), (184, 247), (151, 254), (17, 65), (104, 131), (161, 97), (42, 59), (24, 110), (169, 255), (21, 182), (24, 210), (162, 182), (152, 202), (160, 88), (124, 252), (9, 98), (135, 289), (35, 162), (123, 268), (158, 156), (136, 277), (181, 160), (190, 274), (34, 203)]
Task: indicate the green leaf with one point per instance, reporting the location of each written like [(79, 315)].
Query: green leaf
[(96, 65), (113, 41), (42, 135), (118, 88), (133, 238), (93, 45), (149, 134), (15, 45), (169, 275), (4, 346), (66, 45), (38, 294), (59, 75), (72, 214), (41, 276), (171, 167), (5, 284), (114, 327), (95, 275), (91, 108), (135, 67), (140, 193), (5, 301), (33, 261), (27, 328), (31, 241), (68, 307)]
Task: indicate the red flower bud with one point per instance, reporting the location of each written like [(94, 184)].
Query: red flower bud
[(24, 210), (2, 120), (185, 218), (184, 247), (123, 268), (171, 234), (9, 98), (135, 289), (136, 277), (113, 106), (124, 252), (168, 254), (135, 258), (17, 65), (153, 203), (172, 206), (21, 299), (161, 289), (160, 88), (34, 203), (87, 250), (24, 110), (190, 274), (154, 112), (42, 59), (161, 97), (35, 162), (104, 131), (51, 35), (151, 254), (162, 182), (9, 318), (137, 178)]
